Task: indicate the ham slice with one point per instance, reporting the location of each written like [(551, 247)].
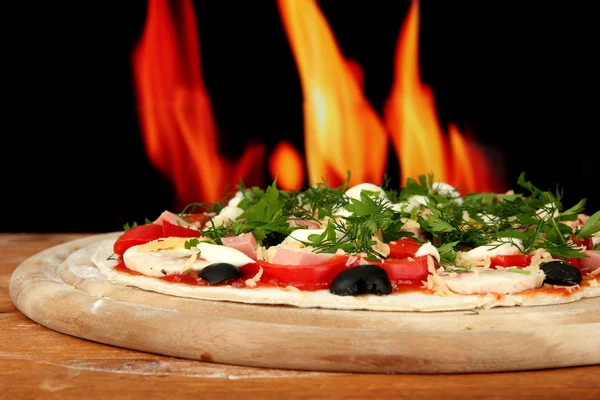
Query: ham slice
[(172, 218), (415, 231), (299, 258), (301, 222), (591, 262), (246, 243)]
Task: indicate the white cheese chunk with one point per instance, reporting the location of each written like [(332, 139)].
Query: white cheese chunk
[(231, 213), (236, 199), (493, 281), (428, 249), (354, 192), (448, 191), (214, 253), (161, 262), (501, 247), (413, 202)]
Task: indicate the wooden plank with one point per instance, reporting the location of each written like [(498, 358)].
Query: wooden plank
[(515, 338), (21, 379)]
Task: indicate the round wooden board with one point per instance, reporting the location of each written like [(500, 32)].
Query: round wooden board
[(61, 289)]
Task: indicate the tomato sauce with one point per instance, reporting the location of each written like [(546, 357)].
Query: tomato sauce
[(122, 268), (550, 290), (409, 287), (251, 270)]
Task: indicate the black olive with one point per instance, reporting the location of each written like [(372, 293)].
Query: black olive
[(273, 239), (219, 272), (364, 279), (561, 273)]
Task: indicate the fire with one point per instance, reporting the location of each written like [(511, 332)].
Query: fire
[(287, 160), (342, 131), (178, 126), (418, 139)]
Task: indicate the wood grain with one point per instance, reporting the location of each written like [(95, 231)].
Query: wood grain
[(60, 288), (36, 362)]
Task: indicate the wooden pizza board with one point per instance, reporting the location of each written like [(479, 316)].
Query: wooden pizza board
[(80, 302)]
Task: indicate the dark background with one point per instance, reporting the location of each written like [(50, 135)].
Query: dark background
[(520, 75)]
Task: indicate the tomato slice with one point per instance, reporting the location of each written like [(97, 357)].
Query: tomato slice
[(512, 260), (305, 277), (403, 248), (137, 235), (405, 270), (576, 262), (170, 230), (588, 243)]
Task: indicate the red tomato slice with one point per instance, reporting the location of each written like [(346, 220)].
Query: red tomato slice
[(405, 270), (576, 262), (305, 277), (137, 235), (170, 230), (588, 243), (513, 260), (403, 248)]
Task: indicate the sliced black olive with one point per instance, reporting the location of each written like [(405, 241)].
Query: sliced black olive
[(219, 272), (561, 273), (364, 279)]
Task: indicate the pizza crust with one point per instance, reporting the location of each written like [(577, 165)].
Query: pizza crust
[(407, 301)]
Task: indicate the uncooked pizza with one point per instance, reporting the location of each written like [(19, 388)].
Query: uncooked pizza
[(421, 247)]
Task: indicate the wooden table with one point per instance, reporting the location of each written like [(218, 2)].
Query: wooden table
[(36, 362)]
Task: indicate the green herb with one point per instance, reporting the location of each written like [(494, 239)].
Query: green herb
[(520, 271), (127, 227), (591, 226), (191, 243), (457, 268), (533, 217), (266, 216), (447, 252), (369, 216)]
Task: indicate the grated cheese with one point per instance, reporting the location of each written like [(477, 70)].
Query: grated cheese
[(256, 278), (188, 263), (295, 290), (163, 243), (539, 256), (435, 282), (381, 247)]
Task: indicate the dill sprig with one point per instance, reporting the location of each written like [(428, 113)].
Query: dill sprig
[(535, 217), (370, 217)]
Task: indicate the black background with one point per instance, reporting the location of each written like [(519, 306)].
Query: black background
[(521, 75)]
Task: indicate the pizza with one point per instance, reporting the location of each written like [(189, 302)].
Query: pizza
[(422, 247)]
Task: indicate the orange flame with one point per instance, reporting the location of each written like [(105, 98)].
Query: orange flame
[(342, 134), (417, 137), (287, 165), (342, 131), (179, 130)]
